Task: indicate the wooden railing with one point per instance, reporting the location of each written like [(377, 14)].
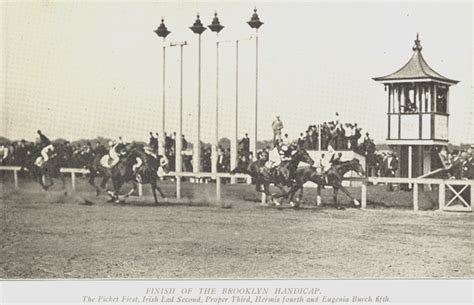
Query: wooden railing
[(443, 185), (201, 175)]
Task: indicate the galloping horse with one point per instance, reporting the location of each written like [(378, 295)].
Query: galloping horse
[(123, 172), (280, 176), (50, 170), (333, 177)]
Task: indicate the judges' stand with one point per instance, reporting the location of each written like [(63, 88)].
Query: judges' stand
[(346, 156)]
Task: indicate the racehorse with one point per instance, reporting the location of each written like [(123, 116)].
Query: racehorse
[(50, 170), (333, 177), (280, 176), (123, 171)]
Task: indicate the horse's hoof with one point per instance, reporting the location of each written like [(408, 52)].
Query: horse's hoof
[(340, 208), (276, 202), (295, 206), (356, 203)]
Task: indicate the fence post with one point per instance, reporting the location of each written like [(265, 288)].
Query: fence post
[(442, 195), (140, 190), (178, 186), (471, 186), (73, 181), (218, 189), (363, 196), (15, 178), (415, 196)]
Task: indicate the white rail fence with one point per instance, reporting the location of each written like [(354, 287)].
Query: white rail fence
[(443, 186), (74, 171)]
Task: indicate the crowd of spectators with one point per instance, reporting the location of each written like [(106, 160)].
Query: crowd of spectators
[(460, 163), (337, 135), (75, 154)]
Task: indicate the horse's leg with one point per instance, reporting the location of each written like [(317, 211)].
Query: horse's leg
[(336, 203), (318, 197), (266, 190), (111, 193), (92, 182), (153, 190), (159, 190), (345, 191), (117, 185), (51, 180), (134, 188), (292, 193), (278, 195), (103, 185), (300, 196), (41, 181), (63, 181)]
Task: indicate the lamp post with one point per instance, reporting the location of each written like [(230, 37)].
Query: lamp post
[(216, 27), (178, 141), (255, 23), (162, 31), (198, 28)]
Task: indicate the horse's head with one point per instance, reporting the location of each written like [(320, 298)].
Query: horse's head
[(356, 167), (301, 155)]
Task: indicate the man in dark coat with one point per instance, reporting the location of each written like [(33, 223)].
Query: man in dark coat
[(153, 143), (245, 142), (390, 168)]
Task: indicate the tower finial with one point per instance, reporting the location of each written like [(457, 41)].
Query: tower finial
[(417, 46)]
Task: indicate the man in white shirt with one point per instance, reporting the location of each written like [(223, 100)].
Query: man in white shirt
[(277, 126)]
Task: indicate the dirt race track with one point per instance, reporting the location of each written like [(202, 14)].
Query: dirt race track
[(49, 235)]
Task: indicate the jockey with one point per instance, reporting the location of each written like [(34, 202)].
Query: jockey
[(274, 158), (3, 153), (46, 146), (327, 161), (113, 153), (136, 167), (285, 152)]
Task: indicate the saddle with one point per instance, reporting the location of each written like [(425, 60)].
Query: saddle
[(107, 162)]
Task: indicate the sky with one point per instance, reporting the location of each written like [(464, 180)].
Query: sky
[(83, 69)]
